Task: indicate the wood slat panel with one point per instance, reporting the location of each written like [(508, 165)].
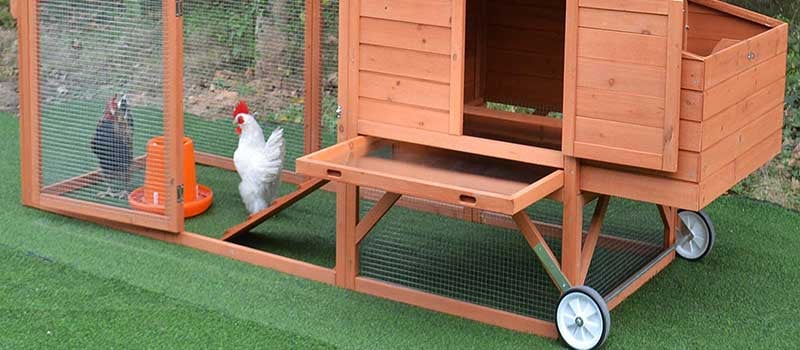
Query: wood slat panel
[(618, 135), (731, 147), (407, 63), (744, 112), (405, 35), (525, 63), (403, 115), (518, 39), (620, 107), (622, 47), (717, 184), (759, 155), (405, 90), (623, 77), (640, 187), (733, 90), (691, 105), (645, 6), (433, 12), (623, 21), (693, 74)]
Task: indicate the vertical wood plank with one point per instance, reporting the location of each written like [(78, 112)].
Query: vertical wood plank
[(173, 113), (312, 110), (27, 54), (572, 221), (457, 58), (351, 218), (354, 65), (481, 53), (570, 78), (675, 40)]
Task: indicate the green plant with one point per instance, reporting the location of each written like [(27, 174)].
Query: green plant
[(6, 21)]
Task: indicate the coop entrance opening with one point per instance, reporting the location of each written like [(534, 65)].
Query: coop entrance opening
[(514, 71)]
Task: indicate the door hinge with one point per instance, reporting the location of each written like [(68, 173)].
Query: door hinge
[(179, 8), (180, 193)]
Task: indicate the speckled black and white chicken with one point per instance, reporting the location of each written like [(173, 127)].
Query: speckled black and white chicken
[(112, 144)]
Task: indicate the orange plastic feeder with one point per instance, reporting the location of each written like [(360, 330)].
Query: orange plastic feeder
[(150, 198)]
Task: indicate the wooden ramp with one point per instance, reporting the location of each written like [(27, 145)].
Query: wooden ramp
[(303, 190)]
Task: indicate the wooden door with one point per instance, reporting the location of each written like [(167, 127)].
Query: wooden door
[(406, 65), (622, 81)]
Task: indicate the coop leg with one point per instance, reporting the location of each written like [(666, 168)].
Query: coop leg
[(593, 236), (572, 225), (347, 205), (543, 252), (669, 216)]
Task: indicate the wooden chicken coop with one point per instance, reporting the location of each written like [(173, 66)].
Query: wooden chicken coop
[(543, 126)]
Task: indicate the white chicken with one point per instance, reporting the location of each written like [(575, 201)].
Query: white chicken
[(258, 162)]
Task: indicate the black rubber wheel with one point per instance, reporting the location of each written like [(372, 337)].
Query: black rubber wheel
[(582, 318)]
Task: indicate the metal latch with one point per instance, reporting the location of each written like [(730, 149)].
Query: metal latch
[(178, 8), (180, 193), (339, 112)]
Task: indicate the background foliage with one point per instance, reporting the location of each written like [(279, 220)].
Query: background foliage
[(235, 25)]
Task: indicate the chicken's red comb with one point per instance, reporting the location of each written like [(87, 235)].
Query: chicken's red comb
[(241, 108)]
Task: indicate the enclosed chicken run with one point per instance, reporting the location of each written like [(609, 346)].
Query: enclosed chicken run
[(565, 148)]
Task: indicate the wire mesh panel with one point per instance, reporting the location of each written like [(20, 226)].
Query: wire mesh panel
[(250, 50), (482, 264), (329, 71), (631, 236), (493, 265), (101, 102)]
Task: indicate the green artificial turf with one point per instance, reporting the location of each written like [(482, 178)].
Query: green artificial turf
[(71, 284)]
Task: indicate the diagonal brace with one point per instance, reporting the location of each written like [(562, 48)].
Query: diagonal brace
[(542, 250), (375, 215), (593, 236), (303, 190)]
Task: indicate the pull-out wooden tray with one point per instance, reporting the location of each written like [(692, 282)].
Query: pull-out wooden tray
[(459, 178)]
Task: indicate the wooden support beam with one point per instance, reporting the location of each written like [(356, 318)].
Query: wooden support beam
[(347, 211), (280, 204), (542, 250), (593, 236), (572, 223), (669, 216), (375, 215), (312, 119), (455, 307)]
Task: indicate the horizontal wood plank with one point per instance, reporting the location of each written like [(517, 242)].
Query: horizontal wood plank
[(404, 90), (428, 66), (620, 107), (618, 135), (622, 47), (403, 115), (645, 6), (623, 77), (433, 12), (404, 35), (639, 23)]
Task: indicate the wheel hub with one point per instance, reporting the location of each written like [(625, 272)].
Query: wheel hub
[(579, 322)]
